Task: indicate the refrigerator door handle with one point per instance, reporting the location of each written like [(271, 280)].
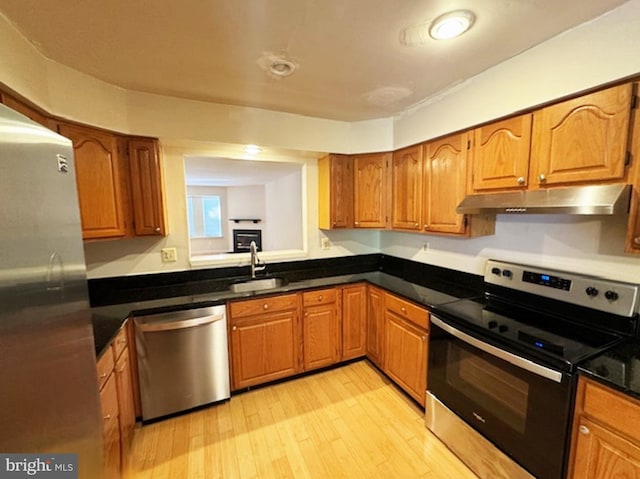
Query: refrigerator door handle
[(55, 261)]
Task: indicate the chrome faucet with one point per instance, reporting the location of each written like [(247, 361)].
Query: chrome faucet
[(255, 261)]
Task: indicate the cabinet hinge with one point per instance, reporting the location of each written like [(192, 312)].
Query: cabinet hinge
[(468, 144), (634, 101), (627, 159), (465, 221)]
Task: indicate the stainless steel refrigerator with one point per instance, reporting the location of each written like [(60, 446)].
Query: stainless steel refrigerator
[(49, 400)]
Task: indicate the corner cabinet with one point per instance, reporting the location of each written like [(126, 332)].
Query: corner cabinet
[(99, 169), (606, 434), (147, 200), (370, 190), (354, 324), (335, 192)]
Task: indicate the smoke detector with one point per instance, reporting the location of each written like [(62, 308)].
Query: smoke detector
[(276, 65)]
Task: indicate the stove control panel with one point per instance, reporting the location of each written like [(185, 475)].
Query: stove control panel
[(602, 294)]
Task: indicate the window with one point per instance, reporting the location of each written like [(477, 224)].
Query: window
[(205, 218)]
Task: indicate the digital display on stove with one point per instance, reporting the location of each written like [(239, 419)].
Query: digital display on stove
[(546, 280)]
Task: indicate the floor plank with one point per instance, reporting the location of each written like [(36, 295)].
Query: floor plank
[(349, 422)]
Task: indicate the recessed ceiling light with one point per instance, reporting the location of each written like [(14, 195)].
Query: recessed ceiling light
[(451, 24), (252, 149), (277, 65)]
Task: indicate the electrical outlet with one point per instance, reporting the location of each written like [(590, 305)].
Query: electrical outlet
[(169, 255), (325, 243)]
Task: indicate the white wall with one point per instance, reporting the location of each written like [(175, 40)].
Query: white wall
[(284, 217)]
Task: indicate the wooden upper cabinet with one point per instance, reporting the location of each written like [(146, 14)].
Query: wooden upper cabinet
[(501, 155), (370, 189), (147, 200), (335, 192), (406, 185), (582, 140), (445, 183), (98, 179)]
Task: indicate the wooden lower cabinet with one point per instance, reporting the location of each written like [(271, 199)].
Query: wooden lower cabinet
[(321, 336), (375, 325), (606, 434), (354, 324), (265, 340), (117, 399), (405, 353)]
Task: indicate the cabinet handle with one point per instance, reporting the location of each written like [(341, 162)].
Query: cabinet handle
[(417, 225), (424, 339), (107, 417), (121, 370), (356, 223), (403, 309), (265, 306), (320, 298), (584, 430), (636, 240), (520, 180), (426, 227), (542, 178), (103, 375), (234, 328)]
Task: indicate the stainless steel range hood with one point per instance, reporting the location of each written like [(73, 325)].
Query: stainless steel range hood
[(579, 200)]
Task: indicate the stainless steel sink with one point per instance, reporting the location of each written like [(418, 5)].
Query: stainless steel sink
[(258, 284)]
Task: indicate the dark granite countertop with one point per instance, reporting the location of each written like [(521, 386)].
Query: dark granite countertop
[(107, 320), (618, 368)]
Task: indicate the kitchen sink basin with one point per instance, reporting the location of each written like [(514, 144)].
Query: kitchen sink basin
[(258, 284)]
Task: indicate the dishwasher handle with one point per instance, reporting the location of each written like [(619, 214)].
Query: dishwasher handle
[(180, 324)]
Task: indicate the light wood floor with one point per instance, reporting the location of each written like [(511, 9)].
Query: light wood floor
[(349, 422)]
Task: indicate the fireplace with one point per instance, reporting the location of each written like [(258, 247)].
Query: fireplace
[(243, 238)]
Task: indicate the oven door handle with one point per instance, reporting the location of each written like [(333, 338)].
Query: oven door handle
[(518, 361)]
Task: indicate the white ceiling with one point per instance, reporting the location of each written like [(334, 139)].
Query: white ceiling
[(351, 63), (225, 172)]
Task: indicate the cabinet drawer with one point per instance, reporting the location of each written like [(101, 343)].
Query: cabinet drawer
[(105, 367), (120, 342), (109, 404), (253, 307), (321, 296), (612, 409), (409, 311)]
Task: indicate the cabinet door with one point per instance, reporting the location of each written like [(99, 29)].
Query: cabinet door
[(127, 417), (445, 182), (321, 336), (602, 454), (109, 406), (335, 192), (406, 185), (98, 178), (501, 154), (264, 348), (375, 325), (146, 187), (354, 332), (405, 355), (581, 140), (370, 189)]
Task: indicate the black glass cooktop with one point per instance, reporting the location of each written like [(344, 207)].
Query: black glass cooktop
[(559, 341)]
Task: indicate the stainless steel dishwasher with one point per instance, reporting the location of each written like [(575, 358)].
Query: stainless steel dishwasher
[(183, 360)]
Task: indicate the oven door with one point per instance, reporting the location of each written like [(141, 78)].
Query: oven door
[(521, 407)]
